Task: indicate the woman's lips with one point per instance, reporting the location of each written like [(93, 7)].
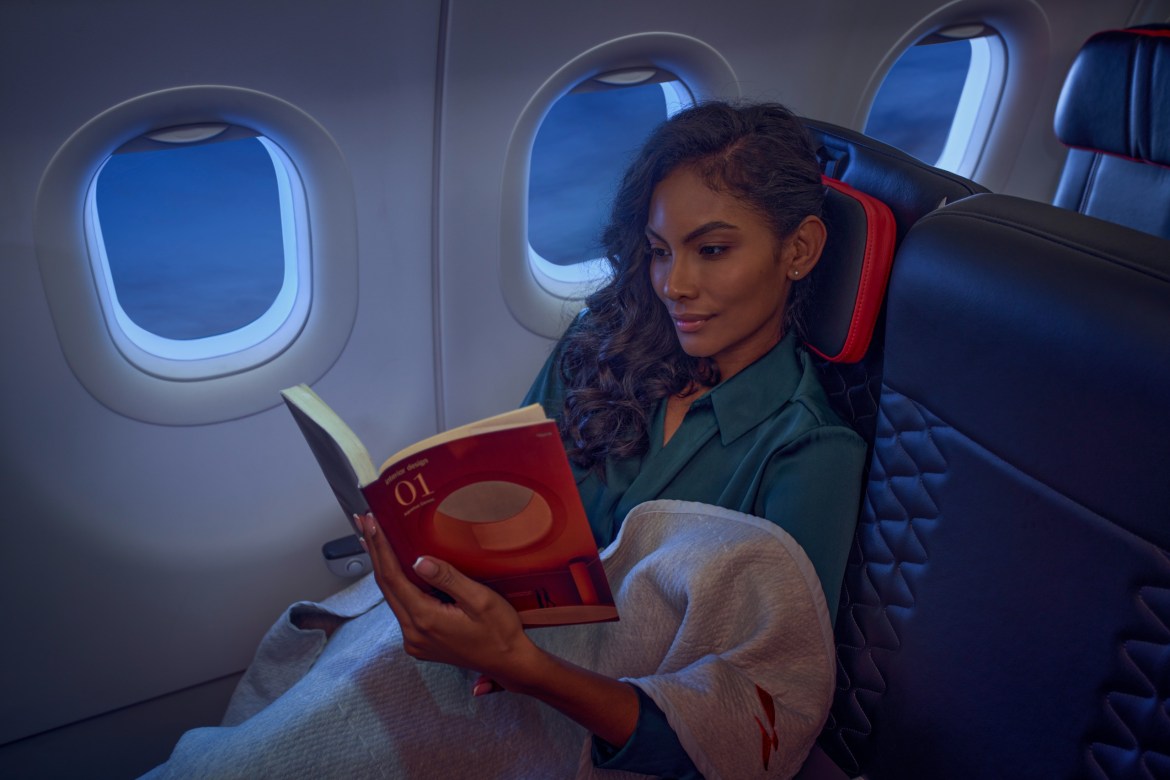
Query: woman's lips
[(689, 323)]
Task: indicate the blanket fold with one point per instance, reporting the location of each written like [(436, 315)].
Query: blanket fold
[(724, 626)]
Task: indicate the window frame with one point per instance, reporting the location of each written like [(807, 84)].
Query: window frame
[(978, 104), (979, 96), (544, 302), (1027, 41), (258, 341), (164, 390)]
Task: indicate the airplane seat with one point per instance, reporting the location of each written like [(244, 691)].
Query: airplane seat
[(1114, 118), (1006, 607), (910, 189)]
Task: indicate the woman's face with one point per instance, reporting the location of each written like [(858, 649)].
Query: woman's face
[(719, 269)]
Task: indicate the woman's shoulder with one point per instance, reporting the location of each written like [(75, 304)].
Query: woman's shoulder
[(807, 430), (812, 402)]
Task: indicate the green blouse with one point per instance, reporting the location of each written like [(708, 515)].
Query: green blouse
[(765, 442)]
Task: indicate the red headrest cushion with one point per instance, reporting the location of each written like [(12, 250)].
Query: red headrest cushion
[(849, 282)]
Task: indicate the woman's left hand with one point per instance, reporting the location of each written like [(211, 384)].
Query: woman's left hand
[(479, 631)]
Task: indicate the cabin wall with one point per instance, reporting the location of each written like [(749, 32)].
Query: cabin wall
[(141, 560)]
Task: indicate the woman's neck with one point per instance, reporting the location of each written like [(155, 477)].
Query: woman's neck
[(677, 406)]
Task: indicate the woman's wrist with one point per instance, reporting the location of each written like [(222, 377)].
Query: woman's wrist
[(605, 706), (530, 671)]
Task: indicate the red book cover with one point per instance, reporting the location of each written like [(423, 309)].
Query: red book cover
[(495, 498), (502, 507)]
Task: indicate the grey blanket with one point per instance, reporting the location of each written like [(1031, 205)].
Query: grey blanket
[(724, 626)]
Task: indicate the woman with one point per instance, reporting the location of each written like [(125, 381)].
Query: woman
[(682, 379)]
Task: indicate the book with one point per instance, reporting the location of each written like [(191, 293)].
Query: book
[(494, 498)]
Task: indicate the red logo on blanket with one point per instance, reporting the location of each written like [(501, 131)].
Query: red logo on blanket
[(770, 739)]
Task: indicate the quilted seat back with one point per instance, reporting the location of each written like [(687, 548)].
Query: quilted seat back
[(1006, 610)]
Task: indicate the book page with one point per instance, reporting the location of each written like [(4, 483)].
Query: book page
[(527, 415), (328, 435)]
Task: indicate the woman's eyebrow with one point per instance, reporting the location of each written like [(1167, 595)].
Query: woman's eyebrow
[(705, 228)]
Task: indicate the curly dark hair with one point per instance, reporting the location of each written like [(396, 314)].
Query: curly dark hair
[(623, 356)]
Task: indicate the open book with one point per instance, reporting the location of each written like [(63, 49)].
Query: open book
[(494, 498)]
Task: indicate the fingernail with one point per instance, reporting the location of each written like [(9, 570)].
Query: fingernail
[(481, 688), (425, 567), (371, 525)]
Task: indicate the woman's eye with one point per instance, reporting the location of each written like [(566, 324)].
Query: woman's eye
[(657, 252), (712, 250)]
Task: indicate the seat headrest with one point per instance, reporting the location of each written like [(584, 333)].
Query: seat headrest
[(849, 283), (1113, 99), (911, 188)]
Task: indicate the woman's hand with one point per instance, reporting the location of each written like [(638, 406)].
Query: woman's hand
[(480, 630)]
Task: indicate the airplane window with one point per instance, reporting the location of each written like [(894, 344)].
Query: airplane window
[(567, 150), (933, 99), (178, 264), (578, 155), (193, 231)]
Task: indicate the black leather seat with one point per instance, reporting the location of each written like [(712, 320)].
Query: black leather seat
[(911, 189), (1006, 610), (1114, 115)]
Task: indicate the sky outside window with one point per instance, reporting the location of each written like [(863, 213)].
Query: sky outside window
[(193, 236), (917, 101)]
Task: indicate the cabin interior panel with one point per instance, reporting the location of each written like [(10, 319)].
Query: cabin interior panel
[(141, 562), (142, 559)]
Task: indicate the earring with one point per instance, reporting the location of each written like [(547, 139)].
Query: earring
[(794, 273)]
